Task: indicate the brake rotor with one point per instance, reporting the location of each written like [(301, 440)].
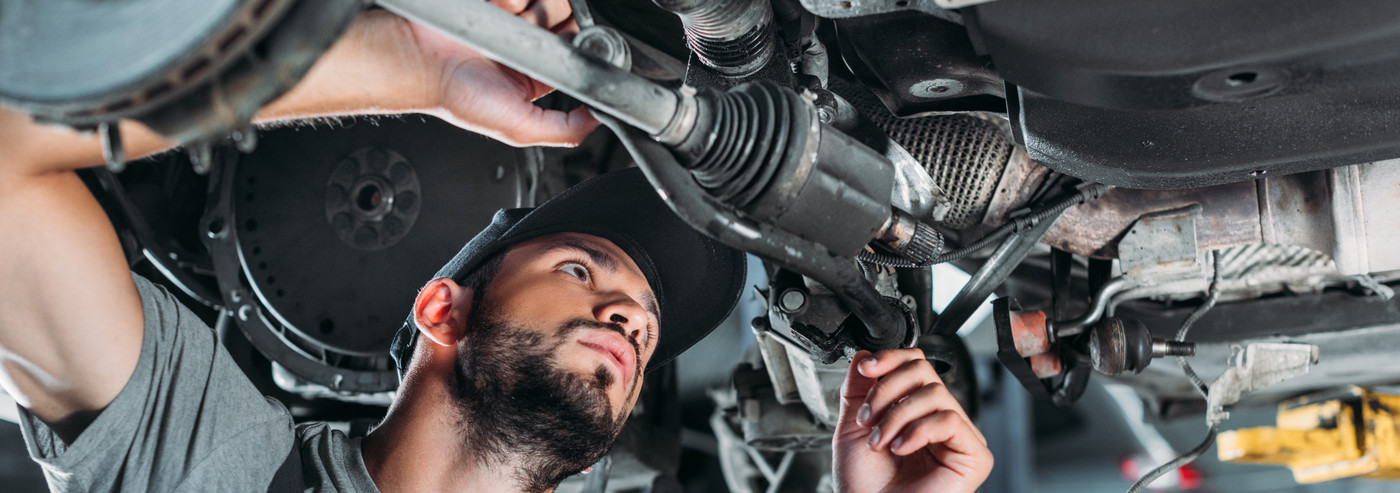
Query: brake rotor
[(67, 57), (339, 228)]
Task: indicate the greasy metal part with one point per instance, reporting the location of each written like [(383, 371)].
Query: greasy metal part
[(1366, 227), (1229, 217), (546, 57), (732, 37), (652, 63), (1118, 346), (1161, 246), (838, 9), (818, 384), (992, 273), (1028, 331), (1325, 436), (1162, 348), (911, 238), (914, 190), (583, 15), (815, 61), (1255, 366), (112, 151), (605, 43), (1342, 212), (751, 415), (885, 322), (1019, 180), (1092, 315), (774, 353)]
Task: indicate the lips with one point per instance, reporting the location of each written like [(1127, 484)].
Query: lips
[(619, 352)]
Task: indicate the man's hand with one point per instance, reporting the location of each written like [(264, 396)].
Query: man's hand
[(485, 96), (385, 64), (901, 430)]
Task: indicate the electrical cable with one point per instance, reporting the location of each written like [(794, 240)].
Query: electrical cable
[(1017, 224), (1213, 295), (1177, 462)]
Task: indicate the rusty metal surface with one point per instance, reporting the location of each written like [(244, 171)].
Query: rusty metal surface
[(1162, 245), (1046, 365), (1028, 331), (1229, 217), (1020, 180)]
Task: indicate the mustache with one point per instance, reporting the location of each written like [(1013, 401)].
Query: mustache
[(583, 323)]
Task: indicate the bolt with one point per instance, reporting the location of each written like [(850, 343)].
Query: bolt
[(1162, 348), (792, 300), (936, 88)]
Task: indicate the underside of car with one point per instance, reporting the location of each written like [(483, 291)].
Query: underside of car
[(1194, 199)]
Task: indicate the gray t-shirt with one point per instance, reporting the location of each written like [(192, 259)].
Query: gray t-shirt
[(189, 420)]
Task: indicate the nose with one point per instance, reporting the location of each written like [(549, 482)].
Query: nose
[(626, 313)]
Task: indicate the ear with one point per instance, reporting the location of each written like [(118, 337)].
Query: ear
[(441, 311)]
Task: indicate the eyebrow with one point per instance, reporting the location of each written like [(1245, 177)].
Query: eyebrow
[(608, 262)]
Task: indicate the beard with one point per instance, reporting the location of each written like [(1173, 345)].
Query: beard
[(521, 411)]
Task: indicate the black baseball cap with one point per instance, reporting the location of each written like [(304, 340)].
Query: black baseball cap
[(696, 280)]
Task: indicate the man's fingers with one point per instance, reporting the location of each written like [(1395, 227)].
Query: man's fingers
[(929, 400), (887, 361), (896, 386), (566, 28), (547, 13), (855, 388), (512, 6), (946, 428), (550, 128)]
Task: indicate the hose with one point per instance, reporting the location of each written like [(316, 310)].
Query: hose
[(1211, 299), (1177, 462), (1017, 225)]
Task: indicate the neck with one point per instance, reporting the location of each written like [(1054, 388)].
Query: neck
[(408, 452)]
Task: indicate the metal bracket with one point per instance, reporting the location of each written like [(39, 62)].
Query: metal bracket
[(1253, 367), (1162, 245)]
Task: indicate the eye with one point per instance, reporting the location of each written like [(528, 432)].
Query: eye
[(577, 270)]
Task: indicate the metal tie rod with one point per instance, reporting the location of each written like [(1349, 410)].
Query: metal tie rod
[(544, 56)]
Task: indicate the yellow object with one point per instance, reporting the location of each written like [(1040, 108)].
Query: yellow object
[(1325, 436)]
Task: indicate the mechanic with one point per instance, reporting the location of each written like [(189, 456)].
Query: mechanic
[(519, 362)]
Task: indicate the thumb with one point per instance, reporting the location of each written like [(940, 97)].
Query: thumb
[(854, 390)]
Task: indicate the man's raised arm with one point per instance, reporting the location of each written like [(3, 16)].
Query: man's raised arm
[(70, 318)]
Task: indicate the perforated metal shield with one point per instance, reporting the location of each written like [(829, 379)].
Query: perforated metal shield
[(964, 154)]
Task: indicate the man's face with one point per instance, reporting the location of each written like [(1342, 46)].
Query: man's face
[(552, 359), (588, 296)]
